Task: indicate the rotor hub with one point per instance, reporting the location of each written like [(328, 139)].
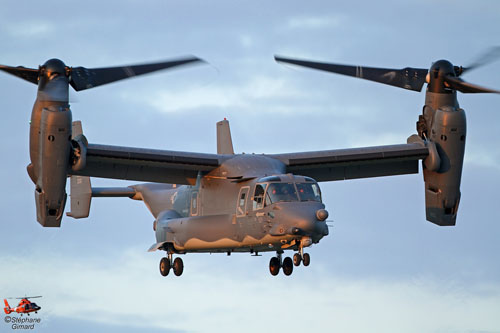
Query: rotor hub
[(53, 67), (437, 74)]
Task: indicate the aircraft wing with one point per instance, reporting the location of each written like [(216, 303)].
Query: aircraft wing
[(352, 163), (151, 165)]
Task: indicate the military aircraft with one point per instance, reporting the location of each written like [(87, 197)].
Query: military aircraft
[(24, 306), (229, 202)]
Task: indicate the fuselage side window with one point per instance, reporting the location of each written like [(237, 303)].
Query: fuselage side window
[(194, 204), (258, 196), (242, 201)]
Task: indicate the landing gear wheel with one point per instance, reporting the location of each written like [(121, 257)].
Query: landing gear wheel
[(274, 266), (164, 266), (306, 259), (297, 259), (287, 266), (178, 266)]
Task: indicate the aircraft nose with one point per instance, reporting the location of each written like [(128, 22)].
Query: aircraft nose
[(309, 222)]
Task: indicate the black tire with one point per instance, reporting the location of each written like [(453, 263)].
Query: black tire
[(287, 266), (164, 266), (274, 266), (306, 260), (178, 266), (297, 259)]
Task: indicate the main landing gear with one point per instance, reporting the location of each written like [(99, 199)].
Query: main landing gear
[(166, 263), (287, 264)]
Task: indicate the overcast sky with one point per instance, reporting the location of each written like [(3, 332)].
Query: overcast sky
[(382, 268)]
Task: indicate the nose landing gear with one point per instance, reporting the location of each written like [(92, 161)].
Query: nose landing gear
[(297, 259), (166, 263), (306, 259)]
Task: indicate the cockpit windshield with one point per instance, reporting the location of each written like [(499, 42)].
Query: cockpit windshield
[(277, 192), (309, 192), (30, 306), (269, 193)]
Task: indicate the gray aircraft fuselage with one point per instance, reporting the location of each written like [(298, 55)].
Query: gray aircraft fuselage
[(224, 213)]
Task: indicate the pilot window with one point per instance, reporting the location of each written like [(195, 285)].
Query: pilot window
[(258, 197), (309, 192)]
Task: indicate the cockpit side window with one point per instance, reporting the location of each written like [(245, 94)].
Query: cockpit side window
[(258, 197)]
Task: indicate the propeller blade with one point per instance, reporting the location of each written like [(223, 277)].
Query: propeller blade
[(407, 78), (85, 78), (466, 87), (486, 58), (28, 74)]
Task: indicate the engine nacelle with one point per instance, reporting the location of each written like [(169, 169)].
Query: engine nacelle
[(442, 186), (52, 164)]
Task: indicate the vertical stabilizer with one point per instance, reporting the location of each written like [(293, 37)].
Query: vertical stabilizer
[(7, 308), (224, 141)]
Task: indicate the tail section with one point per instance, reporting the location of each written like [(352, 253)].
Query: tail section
[(7, 308)]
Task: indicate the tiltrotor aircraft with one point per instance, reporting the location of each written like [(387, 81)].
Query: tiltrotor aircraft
[(229, 202)]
